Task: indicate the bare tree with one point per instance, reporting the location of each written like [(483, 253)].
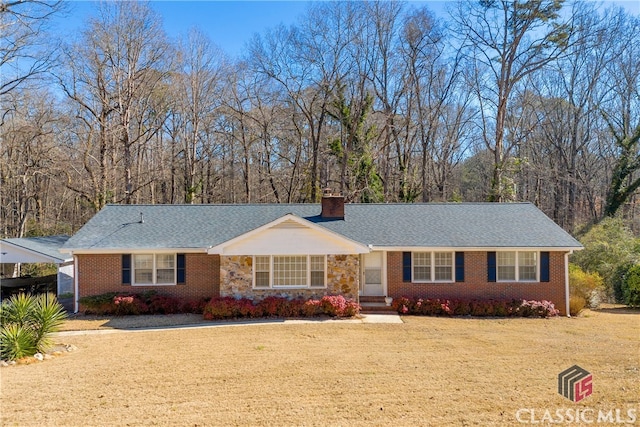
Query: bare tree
[(622, 114), (506, 40), (117, 84), (25, 51)]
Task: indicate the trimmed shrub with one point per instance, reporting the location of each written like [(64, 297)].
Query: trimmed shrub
[(150, 302), (272, 306), (479, 308)]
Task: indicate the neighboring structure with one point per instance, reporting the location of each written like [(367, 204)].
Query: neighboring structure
[(439, 250), (38, 250)]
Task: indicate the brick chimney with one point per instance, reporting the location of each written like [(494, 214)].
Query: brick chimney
[(332, 205)]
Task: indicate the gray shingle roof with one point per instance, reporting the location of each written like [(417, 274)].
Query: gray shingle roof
[(48, 246), (463, 225)]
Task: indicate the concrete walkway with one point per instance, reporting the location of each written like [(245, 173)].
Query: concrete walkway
[(366, 318)]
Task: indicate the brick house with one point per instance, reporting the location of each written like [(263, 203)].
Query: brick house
[(435, 250)]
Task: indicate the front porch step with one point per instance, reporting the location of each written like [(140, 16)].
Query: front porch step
[(375, 307), (367, 299)]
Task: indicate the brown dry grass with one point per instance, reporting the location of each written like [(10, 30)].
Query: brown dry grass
[(428, 371)]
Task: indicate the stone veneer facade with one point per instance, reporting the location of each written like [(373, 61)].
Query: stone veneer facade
[(236, 279)]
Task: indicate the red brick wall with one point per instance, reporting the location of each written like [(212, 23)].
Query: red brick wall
[(476, 285), (98, 274)]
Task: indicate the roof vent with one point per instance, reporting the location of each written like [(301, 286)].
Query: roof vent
[(141, 218)]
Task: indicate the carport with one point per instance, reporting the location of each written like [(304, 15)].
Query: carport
[(36, 250)]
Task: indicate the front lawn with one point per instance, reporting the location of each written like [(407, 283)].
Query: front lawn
[(428, 371)]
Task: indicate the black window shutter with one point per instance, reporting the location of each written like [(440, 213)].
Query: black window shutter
[(491, 266), (181, 270), (126, 269), (459, 266), (544, 266), (406, 266)]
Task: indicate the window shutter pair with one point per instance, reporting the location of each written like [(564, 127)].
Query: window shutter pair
[(491, 266), (406, 266), (180, 269)]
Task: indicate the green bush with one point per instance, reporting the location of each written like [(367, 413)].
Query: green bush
[(610, 248), (632, 287), (26, 322)]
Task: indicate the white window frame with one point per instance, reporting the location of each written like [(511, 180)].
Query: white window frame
[(302, 286), (432, 275), (154, 270), (517, 267)]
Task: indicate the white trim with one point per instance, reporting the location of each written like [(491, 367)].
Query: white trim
[(37, 255), (154, 270), (517, 267), (220, 249), (470, 249), (432, 267), (566, 282), (111, 251), (76, 286), (271, 285)]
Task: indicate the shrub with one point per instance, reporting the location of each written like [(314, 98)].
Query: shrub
[(195, 306), (632, 287), (576, 304), (26, 324), (272, 306), (149, 302), (609, 249), (338, 306), (164, 304), (588, 286), (500, 308), (219, 308), (99, 304)]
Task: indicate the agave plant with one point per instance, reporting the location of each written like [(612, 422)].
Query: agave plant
[(26, 322)]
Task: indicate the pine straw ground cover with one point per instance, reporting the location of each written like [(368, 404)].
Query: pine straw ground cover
[(427, 371)]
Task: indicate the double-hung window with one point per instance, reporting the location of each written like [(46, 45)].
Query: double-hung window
[(289, 271), (517, 266), (432, 267), (154, 269)]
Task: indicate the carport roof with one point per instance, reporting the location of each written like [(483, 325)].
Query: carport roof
[(34, 249)]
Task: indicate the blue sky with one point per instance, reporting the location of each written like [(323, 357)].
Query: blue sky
[(230, 24)]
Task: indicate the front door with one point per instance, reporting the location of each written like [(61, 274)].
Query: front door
[(373, 280)]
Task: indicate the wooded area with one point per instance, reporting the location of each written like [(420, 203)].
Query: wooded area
[(535, 100)]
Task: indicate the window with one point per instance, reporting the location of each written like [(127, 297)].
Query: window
[(506, 265), (422, 266), (261, 268), (443, 266), (317, 271), (517, 266), (527, 266), (432, 267), (289, 271), (150, 269)]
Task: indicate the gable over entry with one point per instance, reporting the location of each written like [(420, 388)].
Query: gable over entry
[(290, 235)]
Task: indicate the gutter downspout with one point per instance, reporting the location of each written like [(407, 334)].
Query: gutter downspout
[(76, 299), (566, 280)]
